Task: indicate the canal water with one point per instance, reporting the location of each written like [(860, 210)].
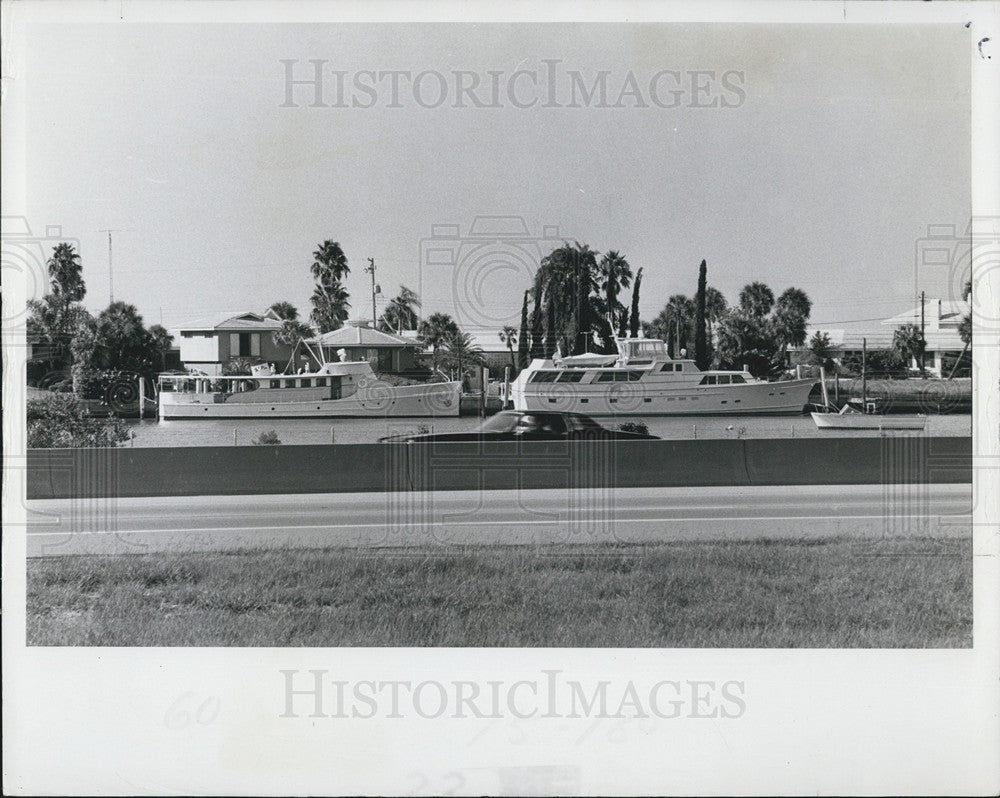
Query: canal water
[(243, 432)]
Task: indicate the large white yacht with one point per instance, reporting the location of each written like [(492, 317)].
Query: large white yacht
[(335, 389), (642, 379)]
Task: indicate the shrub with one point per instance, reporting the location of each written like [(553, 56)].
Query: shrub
[(878, 362), (267, 439), (61, 421)]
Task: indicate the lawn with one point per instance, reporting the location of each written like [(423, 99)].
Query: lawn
[(789, 594)]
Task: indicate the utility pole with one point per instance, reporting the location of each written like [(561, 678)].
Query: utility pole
[(370, 268), (111, 276), (923, 341)]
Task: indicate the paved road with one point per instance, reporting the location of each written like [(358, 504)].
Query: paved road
[(220, 523)]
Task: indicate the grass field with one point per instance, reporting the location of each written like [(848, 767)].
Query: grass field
[(830, 593)]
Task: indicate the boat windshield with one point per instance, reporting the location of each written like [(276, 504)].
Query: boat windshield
[(646, 349)]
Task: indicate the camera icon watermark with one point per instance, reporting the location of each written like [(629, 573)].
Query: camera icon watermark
[(472, 273), (23, 262), (962, 259)]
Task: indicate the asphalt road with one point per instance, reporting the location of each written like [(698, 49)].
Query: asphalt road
[(223, 523)]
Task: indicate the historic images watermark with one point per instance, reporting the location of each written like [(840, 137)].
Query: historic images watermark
[(962, 259), (318, 83), (318, 693), (24, 254)]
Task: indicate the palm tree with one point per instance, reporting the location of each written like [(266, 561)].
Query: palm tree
[(615, 274), (508, 336), (460, 353), (330, 298), (756, 300), (65, 273), (162, 341), (567, 280), (330, 307), (791, 313), (292, 331), (681, 311), (434, 331), (284, 311), (329, 263), (399, 313), (790, 316)]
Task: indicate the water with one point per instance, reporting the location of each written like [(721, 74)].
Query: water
[(242, 432)]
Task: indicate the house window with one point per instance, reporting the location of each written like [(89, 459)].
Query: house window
[(244, 344)]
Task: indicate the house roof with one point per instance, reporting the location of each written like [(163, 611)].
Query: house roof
[(233, 321), (941, 321), (946, 312), (354, 334)]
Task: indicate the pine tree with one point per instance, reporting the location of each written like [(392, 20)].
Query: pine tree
[(700, 338)]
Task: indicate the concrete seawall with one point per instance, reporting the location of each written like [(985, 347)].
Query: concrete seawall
[(191, 471)]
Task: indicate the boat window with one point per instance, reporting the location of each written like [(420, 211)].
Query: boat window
[(708, 379), (634, 376), (275, 383), (738, 380), (723, 379), (571, 376), (606, 376), (667, 367), (321, 382), (544, 376), (621, 376), (678, 367), (306, 383)]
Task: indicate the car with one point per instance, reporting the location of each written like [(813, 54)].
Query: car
[(530, 425)]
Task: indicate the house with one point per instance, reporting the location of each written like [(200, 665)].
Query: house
[(942, 318), (208, 344), (358, 340), (495, 351)]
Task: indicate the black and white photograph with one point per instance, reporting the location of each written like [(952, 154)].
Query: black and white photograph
[(444, 399)]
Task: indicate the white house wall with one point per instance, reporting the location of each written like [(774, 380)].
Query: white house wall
[(199, 348)]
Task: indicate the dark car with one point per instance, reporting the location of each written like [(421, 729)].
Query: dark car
[(529, 425)]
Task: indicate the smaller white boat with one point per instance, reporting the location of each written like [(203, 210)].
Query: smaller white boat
[(854, 416), (850, 417)]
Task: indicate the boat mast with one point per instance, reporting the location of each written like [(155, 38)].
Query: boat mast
[(864, 376)]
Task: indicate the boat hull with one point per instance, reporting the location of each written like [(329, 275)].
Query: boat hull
[(787, 398), (432, 400), (867, 421)]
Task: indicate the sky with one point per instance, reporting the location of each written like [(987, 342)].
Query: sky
[(811, 156)]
